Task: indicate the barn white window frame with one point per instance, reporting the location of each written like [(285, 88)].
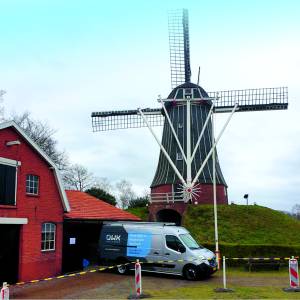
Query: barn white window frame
[(32, 184), (48, 228)]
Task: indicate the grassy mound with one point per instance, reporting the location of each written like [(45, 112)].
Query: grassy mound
[(241, 224), (141, 212), (238, 224)]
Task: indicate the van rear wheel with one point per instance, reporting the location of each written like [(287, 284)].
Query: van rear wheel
[(122, 268), (190, 272)]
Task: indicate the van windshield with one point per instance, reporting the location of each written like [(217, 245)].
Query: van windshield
[(189, 241)]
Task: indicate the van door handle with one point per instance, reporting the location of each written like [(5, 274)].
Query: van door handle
[(167, 253), (155, 253)]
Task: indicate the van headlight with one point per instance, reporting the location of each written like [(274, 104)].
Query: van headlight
[(202, 257)]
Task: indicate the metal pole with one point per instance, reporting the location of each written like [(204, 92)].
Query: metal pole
[(215, 193), (198, 81), (224, 273), (188, 144), (162, 148)]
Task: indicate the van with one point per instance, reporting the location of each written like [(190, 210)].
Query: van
[(161, 247)]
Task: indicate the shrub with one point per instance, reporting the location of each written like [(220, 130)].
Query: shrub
[(138, 202)]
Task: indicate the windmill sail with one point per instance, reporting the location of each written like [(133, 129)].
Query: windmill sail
[(248, 100), (123, 119), (179, 43)]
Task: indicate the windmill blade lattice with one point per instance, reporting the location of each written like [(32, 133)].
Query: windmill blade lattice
[(179, 43), (123, 119), (251, 99), (248, 100)]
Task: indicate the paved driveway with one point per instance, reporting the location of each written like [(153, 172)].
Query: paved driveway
[(99, 285)]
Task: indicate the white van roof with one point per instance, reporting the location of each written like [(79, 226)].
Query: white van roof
[(118, 223), (168, 228)]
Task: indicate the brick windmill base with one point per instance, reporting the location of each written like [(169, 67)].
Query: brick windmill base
[(167, 206)]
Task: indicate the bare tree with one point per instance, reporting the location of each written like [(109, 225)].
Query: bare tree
[(77, 177), (41, 133), (125, 193), (296, 211), (104, 184), (1, 107)]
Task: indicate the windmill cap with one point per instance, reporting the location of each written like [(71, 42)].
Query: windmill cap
[(195, 90)]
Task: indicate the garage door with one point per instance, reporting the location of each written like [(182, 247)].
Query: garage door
[(9, 252)]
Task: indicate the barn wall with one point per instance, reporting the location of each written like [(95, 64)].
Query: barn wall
[(46, 207)]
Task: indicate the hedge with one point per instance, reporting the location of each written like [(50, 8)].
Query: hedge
[(259, 250)]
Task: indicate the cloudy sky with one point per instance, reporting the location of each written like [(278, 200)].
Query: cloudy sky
[(61, 60)]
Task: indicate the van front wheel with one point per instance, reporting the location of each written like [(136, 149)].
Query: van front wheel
[(190, 272)]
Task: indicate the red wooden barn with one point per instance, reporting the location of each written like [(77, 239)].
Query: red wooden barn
[(32, 207)]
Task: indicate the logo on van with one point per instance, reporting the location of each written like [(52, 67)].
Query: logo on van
[(113, 237)]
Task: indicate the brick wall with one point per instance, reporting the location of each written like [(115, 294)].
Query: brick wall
[(205, 197), (46, 207)]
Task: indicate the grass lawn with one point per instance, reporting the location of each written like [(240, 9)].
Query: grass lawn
[(206, 292), (253, 285)]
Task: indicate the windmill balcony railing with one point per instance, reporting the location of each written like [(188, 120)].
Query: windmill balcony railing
[(166, 197)]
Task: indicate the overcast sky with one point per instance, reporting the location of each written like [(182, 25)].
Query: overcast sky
[(61, 60)]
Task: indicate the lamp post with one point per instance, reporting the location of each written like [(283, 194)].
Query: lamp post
[(246, 197)]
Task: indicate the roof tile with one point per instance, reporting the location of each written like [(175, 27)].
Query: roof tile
[(85, 206)]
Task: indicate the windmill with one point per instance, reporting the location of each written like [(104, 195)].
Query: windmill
[(188, 169)]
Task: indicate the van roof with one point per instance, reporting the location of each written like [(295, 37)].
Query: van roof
[(118, 223)]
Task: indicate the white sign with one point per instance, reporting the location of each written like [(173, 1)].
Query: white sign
[(72, 241)]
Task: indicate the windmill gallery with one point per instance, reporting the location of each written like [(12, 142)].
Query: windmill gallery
[(188, 169)]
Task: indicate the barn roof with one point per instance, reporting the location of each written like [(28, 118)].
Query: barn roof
[(85, 206), (44, 156)]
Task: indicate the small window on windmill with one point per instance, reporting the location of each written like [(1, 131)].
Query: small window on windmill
[(180, 125), (179, 94), (187, 93), (179, 156), (197, 93)]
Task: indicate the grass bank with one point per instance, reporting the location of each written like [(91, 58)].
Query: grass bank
[(255, 285)]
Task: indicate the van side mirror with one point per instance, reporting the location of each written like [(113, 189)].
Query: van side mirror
[(181, 248)]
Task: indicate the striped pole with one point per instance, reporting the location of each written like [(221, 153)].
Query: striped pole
[(138, 278), (294, 276), (224, 273), (5, 292)]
